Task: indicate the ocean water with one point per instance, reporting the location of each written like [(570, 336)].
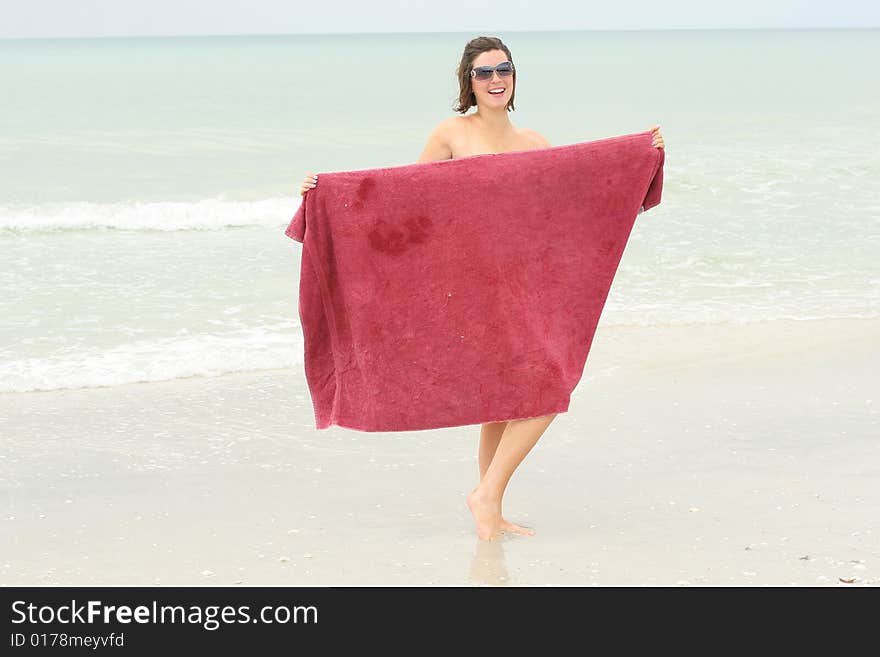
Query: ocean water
[(145, 183)]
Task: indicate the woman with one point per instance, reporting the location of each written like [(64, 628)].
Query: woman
[(487, 79)]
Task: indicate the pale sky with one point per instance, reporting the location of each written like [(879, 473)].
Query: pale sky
[(90, 18)]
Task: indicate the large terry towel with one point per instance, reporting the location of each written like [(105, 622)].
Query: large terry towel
[(463, 291)]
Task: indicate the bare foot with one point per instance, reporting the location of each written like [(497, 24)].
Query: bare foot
[(487, 514), (507, 526)]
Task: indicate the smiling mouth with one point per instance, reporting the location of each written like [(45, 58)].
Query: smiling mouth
[(497, 92)]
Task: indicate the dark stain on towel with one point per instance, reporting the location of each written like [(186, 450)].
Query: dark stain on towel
[(419, 228), (392, 239), (395, 240), (363, 192)]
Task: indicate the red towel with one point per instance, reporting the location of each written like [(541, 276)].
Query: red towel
[(463, 291)]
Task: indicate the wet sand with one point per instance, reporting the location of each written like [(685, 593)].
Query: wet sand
[(696, 454)]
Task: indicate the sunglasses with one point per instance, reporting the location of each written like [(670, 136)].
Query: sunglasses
[(484, 73)]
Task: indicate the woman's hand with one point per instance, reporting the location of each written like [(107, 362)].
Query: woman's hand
[(658, 138), (310, 182)]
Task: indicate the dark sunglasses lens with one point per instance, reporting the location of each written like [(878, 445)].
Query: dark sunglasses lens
[(485, 72)]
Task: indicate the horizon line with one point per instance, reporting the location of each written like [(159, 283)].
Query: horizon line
[(401, 32)]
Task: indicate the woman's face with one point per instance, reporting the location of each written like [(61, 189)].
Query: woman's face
[(481, 89)]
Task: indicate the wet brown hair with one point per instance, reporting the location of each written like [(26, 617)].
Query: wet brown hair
[(481, 44)]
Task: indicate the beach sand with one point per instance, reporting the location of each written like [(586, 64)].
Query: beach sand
[(697, 454)]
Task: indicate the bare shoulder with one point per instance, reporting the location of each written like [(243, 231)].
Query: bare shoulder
[(454, 126), (535, 138), (439, 146), (449, 127)]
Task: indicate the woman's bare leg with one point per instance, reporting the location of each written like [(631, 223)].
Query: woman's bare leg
[(516, 442), (490, 436)]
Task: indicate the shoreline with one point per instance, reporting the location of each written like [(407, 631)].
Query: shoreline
[(724, 454)]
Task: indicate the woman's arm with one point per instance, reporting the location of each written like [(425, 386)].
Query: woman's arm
[(438, 147)]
